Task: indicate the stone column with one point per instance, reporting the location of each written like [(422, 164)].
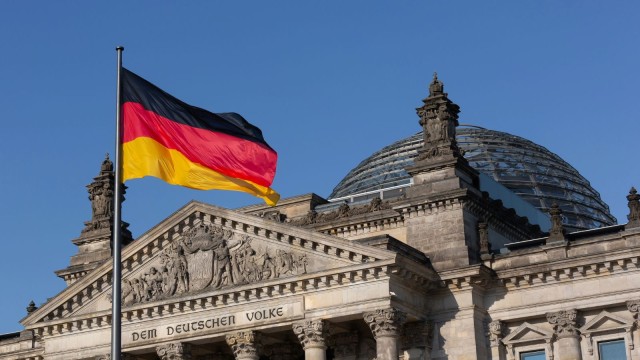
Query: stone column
[(564, 326), (386, 326), (174, 351), (496, 331), (245, 344), (345, 345), (416, 340), (312, 335)]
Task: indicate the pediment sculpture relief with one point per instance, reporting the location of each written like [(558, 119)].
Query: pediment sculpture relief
[(209, 257)]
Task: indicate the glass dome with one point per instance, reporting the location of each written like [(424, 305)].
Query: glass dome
[(529, 170)]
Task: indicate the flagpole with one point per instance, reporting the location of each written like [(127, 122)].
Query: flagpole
[(116, 319)]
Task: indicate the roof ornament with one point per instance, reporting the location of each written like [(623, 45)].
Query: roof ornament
[(436, 87), (556, 233), (634, 209), (107, 165), (439, 119), (32, 307)]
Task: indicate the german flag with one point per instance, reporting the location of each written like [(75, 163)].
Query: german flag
[(184, 145)]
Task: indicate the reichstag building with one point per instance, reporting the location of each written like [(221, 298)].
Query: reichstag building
[(458, 242)]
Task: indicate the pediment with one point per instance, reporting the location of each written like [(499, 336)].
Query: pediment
[(527, 333), (204, 251), (605, 321)]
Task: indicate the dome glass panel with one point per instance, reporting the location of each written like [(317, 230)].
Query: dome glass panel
[(529, 170)]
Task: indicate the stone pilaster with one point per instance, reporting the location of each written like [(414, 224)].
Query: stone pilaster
[(566, 331), (313, 336), (386, 326), (245, 344), (345, 345), (416, 340), (496, 333), (174, 351)]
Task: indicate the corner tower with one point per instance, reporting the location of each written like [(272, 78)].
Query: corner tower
[(94, 243)]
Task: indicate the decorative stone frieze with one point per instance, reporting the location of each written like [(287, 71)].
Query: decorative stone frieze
[(634, 209), (272, 215), (385, 322), (496, 332), (345, 345), (344, 211), (312, 333), (564, 323), (174, 351), (245, 344), (209, 257), (417, 335)]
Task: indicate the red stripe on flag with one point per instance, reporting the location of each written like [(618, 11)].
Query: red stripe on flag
[(223, 153)]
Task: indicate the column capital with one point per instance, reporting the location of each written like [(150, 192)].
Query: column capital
[(312, 333), (174, 351), (564, 322), (385, 322), (245, 344)]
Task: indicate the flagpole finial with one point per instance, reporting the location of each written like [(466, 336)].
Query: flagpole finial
[(119, 48)]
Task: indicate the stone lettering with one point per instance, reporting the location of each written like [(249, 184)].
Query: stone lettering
[(143, 335), (218, 323), (199, 325), (264, 314)]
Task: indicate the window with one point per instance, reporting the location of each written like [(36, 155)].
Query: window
[(612, 350), (533, 355)]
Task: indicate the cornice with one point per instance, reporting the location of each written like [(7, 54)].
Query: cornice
[(570, 269), (474, 276)]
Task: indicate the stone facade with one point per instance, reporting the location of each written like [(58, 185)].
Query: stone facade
[(442, 272)]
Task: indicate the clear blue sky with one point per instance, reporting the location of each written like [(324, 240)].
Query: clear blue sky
[(329, 82)]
